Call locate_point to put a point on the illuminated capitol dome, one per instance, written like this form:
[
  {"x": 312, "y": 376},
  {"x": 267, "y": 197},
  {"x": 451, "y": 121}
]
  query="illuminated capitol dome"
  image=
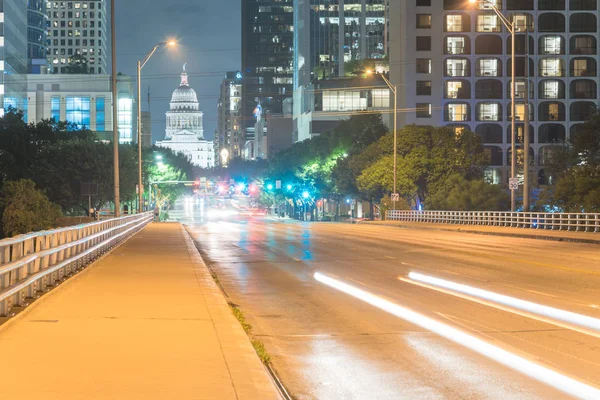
[{"x": 185, "y": 133}]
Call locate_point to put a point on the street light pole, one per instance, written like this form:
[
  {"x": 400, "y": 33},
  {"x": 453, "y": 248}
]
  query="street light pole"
[
  {"x": 394, "y": 90},
  {"x": 140, "y": 65},
  {"x": 510, "y": 26},
  {"x": 526, "y": 127},
  {"x": 115, "y": 110}
]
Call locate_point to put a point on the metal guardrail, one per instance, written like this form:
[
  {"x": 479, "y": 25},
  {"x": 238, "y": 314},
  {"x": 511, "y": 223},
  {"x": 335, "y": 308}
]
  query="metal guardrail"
[
  {"x": 581, "y": 222},
  {"x": 31, "y": 263}
]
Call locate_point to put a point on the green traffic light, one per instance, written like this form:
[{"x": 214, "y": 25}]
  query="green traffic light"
[
  {"x": 270, "y": 187},
  {"x": 289, "y": 187}
]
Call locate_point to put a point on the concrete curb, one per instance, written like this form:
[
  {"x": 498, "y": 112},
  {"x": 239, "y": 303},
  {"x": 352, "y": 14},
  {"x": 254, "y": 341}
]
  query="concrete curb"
[
  {"x": 252, "y": 385},
  {"x": 489, "y": 233}
]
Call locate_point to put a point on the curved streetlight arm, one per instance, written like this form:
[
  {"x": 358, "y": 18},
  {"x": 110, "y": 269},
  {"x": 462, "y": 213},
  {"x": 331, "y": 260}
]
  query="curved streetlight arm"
[
  {"x": 150, "y": 54},
  {"x": 387, "y": 81},
  {"x": 507, "y": 23}
]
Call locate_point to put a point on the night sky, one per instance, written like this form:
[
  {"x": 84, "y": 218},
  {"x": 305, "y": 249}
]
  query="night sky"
[{"x": 208, "y": 33}]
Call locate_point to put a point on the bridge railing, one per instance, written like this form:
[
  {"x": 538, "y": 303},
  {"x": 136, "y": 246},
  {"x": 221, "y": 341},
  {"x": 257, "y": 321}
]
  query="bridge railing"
[
  {"x": 583, "y": 222},
  {"x": 31, "y": 263}
]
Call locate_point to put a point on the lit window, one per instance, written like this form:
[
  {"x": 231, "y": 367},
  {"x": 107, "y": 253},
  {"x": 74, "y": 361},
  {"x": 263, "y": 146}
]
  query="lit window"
[
  {"x": 100, "y": 114},
  {"x": 488, "y": 23},
  {"x": 457, "y": 67},
  {"x": 551, "y": 45},
  {"x": 78, "y": 111},
  {"x": 488, "y": 67},
  {"x": 552, "y": 67},
  {"x": 455, "y": 45},
  {"x": 55, "y": 108},
  {"x": 454, "y": 23},
  {"x": 488, "y": 112},
  {"x": 457, "y": 112}
]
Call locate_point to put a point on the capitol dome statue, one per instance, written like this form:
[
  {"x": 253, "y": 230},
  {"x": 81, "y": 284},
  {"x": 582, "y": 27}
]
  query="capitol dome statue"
[
  {"x": 185, "y": 114},
  {"x": 185, "y": 133}
]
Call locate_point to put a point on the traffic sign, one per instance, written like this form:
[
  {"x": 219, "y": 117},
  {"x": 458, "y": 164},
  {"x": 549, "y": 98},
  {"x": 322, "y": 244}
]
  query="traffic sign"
[
  {"x": 395, "y": 196},
  {"x": 277, "y": 184},
  {"x": 513, "y": 183}
]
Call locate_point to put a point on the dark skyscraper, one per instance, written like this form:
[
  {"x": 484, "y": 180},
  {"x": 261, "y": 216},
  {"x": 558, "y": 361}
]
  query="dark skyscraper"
[
  {"x": 37, "y": 34},
  {"x": 267, "y": 57}
]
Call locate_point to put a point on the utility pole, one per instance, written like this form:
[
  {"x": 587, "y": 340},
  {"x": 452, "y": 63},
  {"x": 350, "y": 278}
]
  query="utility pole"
[
  {"x": 526, "y": 127},
  {"x": 115, "y": 109}
]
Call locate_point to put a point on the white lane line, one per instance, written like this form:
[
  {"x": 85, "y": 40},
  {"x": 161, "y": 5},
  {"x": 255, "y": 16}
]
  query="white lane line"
[
  {"x": 391, "y": 258},
  {"x": 594, "y": 306},
  {"x": 550, "y": 377},
  {"x": 542, "y": 293},
  {"x": 565, "y": 319}
]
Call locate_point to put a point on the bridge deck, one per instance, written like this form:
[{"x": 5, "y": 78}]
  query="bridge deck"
[{"x": 145, "y": 322}]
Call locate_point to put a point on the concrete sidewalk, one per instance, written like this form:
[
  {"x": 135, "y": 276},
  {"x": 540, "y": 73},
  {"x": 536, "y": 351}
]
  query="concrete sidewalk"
[
  {"x": 145, "y": 322},
  {"x": 542, "y": 234}
]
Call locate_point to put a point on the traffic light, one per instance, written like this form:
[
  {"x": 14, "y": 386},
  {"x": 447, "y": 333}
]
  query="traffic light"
[
  {"x": 289, "y": 187},
  {"x": 270, "y": 186}
]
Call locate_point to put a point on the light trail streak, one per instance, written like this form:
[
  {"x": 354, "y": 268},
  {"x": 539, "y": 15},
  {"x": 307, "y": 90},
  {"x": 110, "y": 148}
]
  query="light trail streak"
[
  {"x": 566, "y": 319},
  {"x": 551, "y": 378}
]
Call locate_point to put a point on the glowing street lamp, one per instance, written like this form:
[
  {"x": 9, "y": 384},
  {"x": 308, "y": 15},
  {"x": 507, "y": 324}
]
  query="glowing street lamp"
[{"x": 140, "y": 65}]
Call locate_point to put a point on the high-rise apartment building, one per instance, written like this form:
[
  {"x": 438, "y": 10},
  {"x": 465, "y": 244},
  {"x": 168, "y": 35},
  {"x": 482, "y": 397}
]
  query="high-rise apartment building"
[
  {"x": 37, "y": 36},
  {"x": 13, "y": 55},
  {"x": 77, "y": 27},
  {"x": 267, "y": 57},
  {"x": 452, "y": 62},
  {"x": 230, "y": 132}
]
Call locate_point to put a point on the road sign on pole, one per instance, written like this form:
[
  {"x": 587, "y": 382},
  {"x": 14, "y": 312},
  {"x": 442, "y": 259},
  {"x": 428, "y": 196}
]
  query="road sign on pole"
[
  {"x": 395, "y": 196},
  {"x": 513, "y": 183},
  {"x": 277, "y": 184}
]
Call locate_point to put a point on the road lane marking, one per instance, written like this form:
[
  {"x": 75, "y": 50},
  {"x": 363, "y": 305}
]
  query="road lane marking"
[
  {"x": 542, "y": 293},
  {"x": 297, "y": 259},
  {"x": 391, "y": 258},
  {"x": 504, "y": 357},
  {"x": 554, "y": 316}
]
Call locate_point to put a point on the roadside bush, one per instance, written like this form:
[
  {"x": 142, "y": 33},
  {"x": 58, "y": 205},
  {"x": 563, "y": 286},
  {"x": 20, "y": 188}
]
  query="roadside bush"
[
  {"x": 26, "y": 209},
  {"x": 459, "y": 194}
]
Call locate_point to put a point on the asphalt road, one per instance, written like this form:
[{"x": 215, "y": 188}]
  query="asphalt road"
[{"x": 327, "y": 344}]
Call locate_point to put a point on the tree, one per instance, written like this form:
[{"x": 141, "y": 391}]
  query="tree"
[
  {"x": 26, "y": 209},
  {"x": 427, "y": 157},
  {"x": 578, "y": 185},
  {"x": 585, "y": 141},
  {"x": 78, "y": 64},
  {"x": 577, "y": 190},
  {"x": 313, "y": 162},
  {"x": 163, "y": 164},
  {"x": 469, "y": 195},
  {"x": 21, "y": 143},
  {"x": 62, "y": 167}
]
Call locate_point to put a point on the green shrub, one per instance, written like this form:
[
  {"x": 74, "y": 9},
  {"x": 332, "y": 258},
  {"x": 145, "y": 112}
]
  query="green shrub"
[{"x": 26, "y": 209}]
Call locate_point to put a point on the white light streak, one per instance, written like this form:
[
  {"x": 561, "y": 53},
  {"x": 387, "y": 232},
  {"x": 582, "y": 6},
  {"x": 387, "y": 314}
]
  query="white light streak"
[
  {"x": 550, "y": 314},
  {"x": 535, "y": 371}
]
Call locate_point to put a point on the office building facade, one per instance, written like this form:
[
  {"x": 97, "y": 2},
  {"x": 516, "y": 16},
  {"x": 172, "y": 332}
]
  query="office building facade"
[
  {"x": 267, "y": 57},
  {"x": 330, "y": 38},
  {"x": 452, "y": 61},
  {"x": 13, "y": 55},
  {"x": 84, "y": 101},
  {"x": 77, "y": 27},
  {"x": 230, "y": 134}
]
